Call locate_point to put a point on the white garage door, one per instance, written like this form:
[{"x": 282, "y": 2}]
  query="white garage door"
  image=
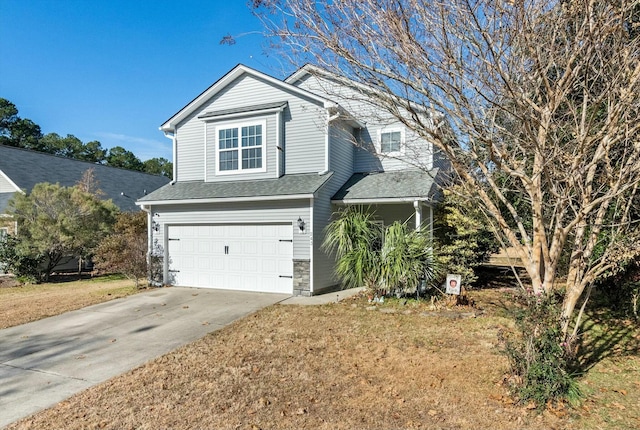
[{"x": 256, "y": 257}]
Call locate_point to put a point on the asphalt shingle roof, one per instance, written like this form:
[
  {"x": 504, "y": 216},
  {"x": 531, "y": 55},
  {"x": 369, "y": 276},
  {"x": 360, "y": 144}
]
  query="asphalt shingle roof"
[
  {"x": 403, "y": 184},
  {"x": 253, "y": 108},
  {"x": 301, "y": 184},
  {"x": 27, "y": 168}
]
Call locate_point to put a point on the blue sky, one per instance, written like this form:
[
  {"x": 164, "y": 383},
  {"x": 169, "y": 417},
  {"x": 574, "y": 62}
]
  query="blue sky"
[{"x": 114, "y": 70}]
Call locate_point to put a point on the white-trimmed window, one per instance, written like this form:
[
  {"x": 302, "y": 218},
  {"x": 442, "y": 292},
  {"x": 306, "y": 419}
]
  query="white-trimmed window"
[
  {"x": 240, "y": 147},
  {"x": 391, "y": 141}
]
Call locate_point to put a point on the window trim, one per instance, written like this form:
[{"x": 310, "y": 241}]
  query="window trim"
[
  {"x": 239, "y": 125},
  {"x": 382, "y": 131}
]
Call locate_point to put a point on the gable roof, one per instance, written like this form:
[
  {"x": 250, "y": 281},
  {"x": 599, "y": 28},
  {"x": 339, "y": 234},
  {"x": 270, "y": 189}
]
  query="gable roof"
[
  {"x": 296, "y": 186},
  {"x": 170, "y": 124},
  {"x": 312, "y": 70},
  {"x": 392, "y": 186},
  {"x": 25, "y": 168}
]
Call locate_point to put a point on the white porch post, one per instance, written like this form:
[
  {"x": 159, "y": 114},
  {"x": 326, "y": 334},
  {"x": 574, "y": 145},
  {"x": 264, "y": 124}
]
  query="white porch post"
[
  {"x": 418, "y": 208},
  {"x": 431, "y": 222}
]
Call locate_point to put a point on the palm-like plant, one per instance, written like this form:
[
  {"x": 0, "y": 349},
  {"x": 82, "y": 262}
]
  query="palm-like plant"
[
  {"x": 355, "y": 238},
  {"x": 407, "y": 257},
  {"x": 395, "y": 259}
]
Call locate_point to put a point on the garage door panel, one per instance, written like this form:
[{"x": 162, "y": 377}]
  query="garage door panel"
[
  {"x": 283, "y": 267},
  {"x": 251, "y": 247},
  {"x": 234, "y": 264},
  {"x": 256, "y": 257},
  {"x": 268, "y": 248},
  {"x": 270, "y": 265}
]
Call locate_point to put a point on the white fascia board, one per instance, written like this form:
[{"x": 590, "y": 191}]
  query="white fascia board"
[
  {"x": 381, "y": 201},
  {"x": 239, "y": 70},
  {"x": 298, "y": 74},
  {"x": 226, "y": 200}
]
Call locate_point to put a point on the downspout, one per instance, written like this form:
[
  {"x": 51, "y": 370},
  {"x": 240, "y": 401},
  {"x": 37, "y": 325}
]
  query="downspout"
[
  {"x": 174, "y": 148},
  {"x": 326, "y": 143},
  {"x": 206, "y": 155},
  {"x": 311, "y": 244},
  {"x": 149, "y": 238},
  {"x": 279, "y": 149}
]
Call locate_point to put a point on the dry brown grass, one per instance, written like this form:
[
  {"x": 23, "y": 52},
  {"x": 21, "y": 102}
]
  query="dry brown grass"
[
  {"x": 20, "y": 304},
  {"x": 342, "y": 366},
  {"x": 337, "y": 366}
]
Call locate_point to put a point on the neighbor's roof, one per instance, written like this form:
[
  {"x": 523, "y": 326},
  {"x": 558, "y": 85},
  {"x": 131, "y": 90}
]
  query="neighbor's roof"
[
  {"x": 26, "y": 168},
  {"x": 285, "y": 187},
  {"x": 393, "y": 186}
]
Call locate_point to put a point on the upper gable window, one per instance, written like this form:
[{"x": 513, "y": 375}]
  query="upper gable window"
[
  {"x": 391, "y": 141},
  {"x": 240, "y": 147}
]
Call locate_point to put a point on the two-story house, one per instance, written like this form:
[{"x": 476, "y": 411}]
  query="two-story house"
[{"x": 260, "y": 166}]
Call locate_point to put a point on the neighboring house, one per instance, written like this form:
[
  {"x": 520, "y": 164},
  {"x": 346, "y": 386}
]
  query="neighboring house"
[
  {"x": 260, "y": 166},
  {"x": 21, "y": 169}
]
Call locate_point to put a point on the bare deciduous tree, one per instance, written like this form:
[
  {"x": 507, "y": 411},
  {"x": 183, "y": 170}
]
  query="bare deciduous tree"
[
  {"x": 539, "y": 102},
  {"x": 89, "y": 184}
]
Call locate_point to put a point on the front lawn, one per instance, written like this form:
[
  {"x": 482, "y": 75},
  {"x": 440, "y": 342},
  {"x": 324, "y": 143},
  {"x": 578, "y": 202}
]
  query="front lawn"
[
  {"x": 20, "y": 304},
  {"x": 348, "y": 366}
]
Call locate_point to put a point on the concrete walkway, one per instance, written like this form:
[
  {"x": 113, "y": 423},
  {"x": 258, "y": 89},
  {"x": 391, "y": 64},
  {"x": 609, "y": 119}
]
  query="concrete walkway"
[{"x": 47, "y": 361}]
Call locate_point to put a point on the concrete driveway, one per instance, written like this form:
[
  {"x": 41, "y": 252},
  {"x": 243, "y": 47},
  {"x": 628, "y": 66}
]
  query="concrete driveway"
[{"x": 47, "y": 361}]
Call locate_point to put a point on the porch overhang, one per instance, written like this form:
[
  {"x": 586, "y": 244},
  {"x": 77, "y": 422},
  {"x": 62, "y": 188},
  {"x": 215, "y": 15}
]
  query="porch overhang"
[{"x": 404, "y": 186}]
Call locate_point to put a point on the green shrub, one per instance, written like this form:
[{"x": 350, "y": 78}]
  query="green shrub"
[
  {"x": 355, "y": 238},
  {"x": 539, "y": 355},
  {"x": 406, "y": 260},
  {"x": 463, "y": 238},
  {"x": 620, "y": 291},
  {"x": 394, "y": 259},
  {"x": 13, "y": 260}
]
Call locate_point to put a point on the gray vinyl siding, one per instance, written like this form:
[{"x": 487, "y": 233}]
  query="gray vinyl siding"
[
  {"x": 402, "y": 212},
  {"x": 417, "y": 153},
  {"x": 341, "y": 152},
  {"x": 440, "y": 161},
  {"x": 304, "y": 138},
  {"x": 287, "y": 211},
  {"x": 302, "y": 132},
  {"x": 323, "y": 264},
  {"x": 341, "y": 159},
  {"x": 190, "y": 150}
]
